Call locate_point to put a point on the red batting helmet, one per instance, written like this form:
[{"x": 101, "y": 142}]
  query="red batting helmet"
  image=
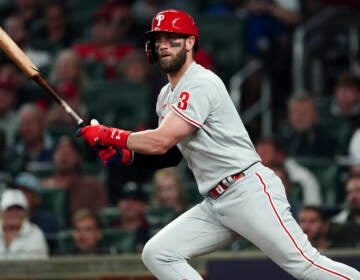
[{"x": 174, "y": 21}]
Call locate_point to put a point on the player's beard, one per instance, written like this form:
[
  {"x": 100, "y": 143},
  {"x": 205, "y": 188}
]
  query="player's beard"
[{"x": 173, "y": 65}]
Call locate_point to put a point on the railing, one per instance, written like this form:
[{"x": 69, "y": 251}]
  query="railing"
[
  {"x": 310, "y": 42},
  {"x": 262, "y": 107},
  {"x": 124, "y": 267}
]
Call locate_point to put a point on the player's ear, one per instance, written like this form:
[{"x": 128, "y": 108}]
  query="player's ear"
[{"x": 190, "y": 43}]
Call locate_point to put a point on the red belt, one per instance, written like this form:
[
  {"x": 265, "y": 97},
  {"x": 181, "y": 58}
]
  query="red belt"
[{"x": 224, "y": 184}]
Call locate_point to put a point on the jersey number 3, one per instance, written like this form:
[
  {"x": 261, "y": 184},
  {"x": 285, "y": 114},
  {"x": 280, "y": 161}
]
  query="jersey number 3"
[{"x": 184, "y": 96}]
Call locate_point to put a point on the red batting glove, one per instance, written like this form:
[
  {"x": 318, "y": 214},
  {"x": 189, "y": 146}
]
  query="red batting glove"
[
  {"x": 104, "y": 136},
  {"x": 115, "y": 156}
]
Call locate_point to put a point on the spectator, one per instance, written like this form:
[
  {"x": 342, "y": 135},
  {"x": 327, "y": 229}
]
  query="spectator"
[
  {"x": 293, "y": 191},
  {"x": 46, "y": 221},
  {"x": 69, "y": 79},
  {"x": 351, "y": 212},
  {"x": 346, "y": 103},
  {"x": 271, "y": 21},
  {"x": 133, "y": 204},
  {"x": 354, "y": 146},
  {"x": 7, "y": 163},
  {"x": 144, "y": 10},
  {"x": 121, "y": 11},
  {"x": 272, "y": 153},
  {"x": 17, "y": 30},
  {"x": 315, "y": 225},
  {"x": 57, "y": 117},
  {"x": 21, "y": 239},
  {"x": 135, "y": 68},
  {"x": 225, "y": 7},
  {"x": 9, "y": 72},
  {"x": 302, "y": 136},
  {"x": 169, "y": 192},
  {"x": 268, "y": 36},
  {"x": 87, "y": 234},
  {"x": 35, "y": 146},
  {"x": 106, "y": 46},
  {"x": 9, "y": 120},
  {"x": 55, "y": 32},
  {"x": 29, "y": 11},
  {"x": 84, "y": 191},
  {"x": 69, "y": 69}
]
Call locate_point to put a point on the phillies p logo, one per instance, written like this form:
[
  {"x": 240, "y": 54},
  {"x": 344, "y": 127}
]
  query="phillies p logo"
[{"x": 159, "y": 18}]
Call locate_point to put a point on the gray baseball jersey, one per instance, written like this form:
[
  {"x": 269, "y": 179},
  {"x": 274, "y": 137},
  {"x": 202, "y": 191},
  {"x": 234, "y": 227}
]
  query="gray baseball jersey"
[{"x": 221, "y": 145}]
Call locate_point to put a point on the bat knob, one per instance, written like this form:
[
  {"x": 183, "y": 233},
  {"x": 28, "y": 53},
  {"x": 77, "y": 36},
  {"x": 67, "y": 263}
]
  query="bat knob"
[{"x": 94, "y": 122}]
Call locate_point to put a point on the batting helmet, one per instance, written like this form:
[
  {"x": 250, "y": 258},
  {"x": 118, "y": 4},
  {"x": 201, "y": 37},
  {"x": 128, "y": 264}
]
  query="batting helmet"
[{"x": 174, "y": 21}]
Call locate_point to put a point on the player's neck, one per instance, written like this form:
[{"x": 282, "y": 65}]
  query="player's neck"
[{"x": 175, "y": 77}]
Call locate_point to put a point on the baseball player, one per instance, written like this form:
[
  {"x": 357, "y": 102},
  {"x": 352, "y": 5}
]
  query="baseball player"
[{"x": 198, "y": 121}]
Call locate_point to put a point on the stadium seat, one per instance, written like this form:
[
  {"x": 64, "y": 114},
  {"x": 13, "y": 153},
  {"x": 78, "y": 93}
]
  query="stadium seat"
[
  {"x": 115, "y": 240},
  {"x": 119, "y": 103},
  {"x": 340, "y": 130},
  {"x": 327, "y": 171},
  {"x": 223, "y": 36},
  {"x": 55, "y": 201},
  {"x": 108, "y": 215},
  {"x": 95, "y": 70},
  {"x": 81, "y": 14},
  {"x": 118, "y": 241},
  {"x": 64, "y": 241},
  {"x": 192, "y": 194},
  {"x": 159, "y": 217}
]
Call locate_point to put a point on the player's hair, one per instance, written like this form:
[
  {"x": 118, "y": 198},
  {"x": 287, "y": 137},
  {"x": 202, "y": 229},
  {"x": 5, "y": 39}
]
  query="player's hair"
[{"x": 348, "y": 80}]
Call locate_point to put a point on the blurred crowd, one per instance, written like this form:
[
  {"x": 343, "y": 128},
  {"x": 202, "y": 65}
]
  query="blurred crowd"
[{"x": 56, "y": 198}]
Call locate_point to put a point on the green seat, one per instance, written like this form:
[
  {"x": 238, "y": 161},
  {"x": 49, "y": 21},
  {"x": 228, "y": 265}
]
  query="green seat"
[
  {"x": 81, "y": 15},
  {"x": 118, "y": 240},
  {"x": 223, "y": 37},
  {"x": 56, "y": 131},
  {"x": 192, "y": 194},
  {"x": 119, "y": 103},
  {"x": 64, "y": 241},
  {"x": 340, "y": 130},
  {"x": 115, "y": 240},
  {"x": 41, "y": 169},
  {"x": 337, "y": 127},
  {"x": 159, "y": 217},
  {"x": 95, "y": 70},
  {"x": 327, "y": 171},
  {"x": 55, "y": 201},
  {"x": 108, "y": 215}
]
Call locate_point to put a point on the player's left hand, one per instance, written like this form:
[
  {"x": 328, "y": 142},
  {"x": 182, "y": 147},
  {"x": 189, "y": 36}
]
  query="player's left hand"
[
  {"x": 115, "y": 156},
  {"x": 101, "y": 135}
]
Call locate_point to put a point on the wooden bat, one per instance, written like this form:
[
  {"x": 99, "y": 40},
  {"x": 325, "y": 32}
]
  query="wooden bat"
[{"x": 24, "y": 63}]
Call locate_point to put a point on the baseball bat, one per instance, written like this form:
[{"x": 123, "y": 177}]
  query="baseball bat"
[{"x": 24, "y": 63}]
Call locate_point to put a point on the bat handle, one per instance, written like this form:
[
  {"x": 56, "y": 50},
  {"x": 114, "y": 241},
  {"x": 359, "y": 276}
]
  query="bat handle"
[{"x": 79, "y": 121}]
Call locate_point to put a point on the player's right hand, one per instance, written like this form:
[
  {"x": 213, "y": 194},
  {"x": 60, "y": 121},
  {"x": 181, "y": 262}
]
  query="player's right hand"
[{"x": 115, "y": 156}]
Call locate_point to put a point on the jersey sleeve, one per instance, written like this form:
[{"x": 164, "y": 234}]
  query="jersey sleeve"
[
  {"x": 159, "y": 100},
  {"x": 193, "y": 103}
]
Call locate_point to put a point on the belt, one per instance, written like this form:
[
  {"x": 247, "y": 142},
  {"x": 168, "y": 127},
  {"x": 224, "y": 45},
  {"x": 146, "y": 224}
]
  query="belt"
[
  {"x": 227, "y": 182},
  {"x": 224, "y": 184}
]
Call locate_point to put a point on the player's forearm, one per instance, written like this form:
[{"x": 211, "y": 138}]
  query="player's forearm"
[{"x": 149, "y": 142}]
